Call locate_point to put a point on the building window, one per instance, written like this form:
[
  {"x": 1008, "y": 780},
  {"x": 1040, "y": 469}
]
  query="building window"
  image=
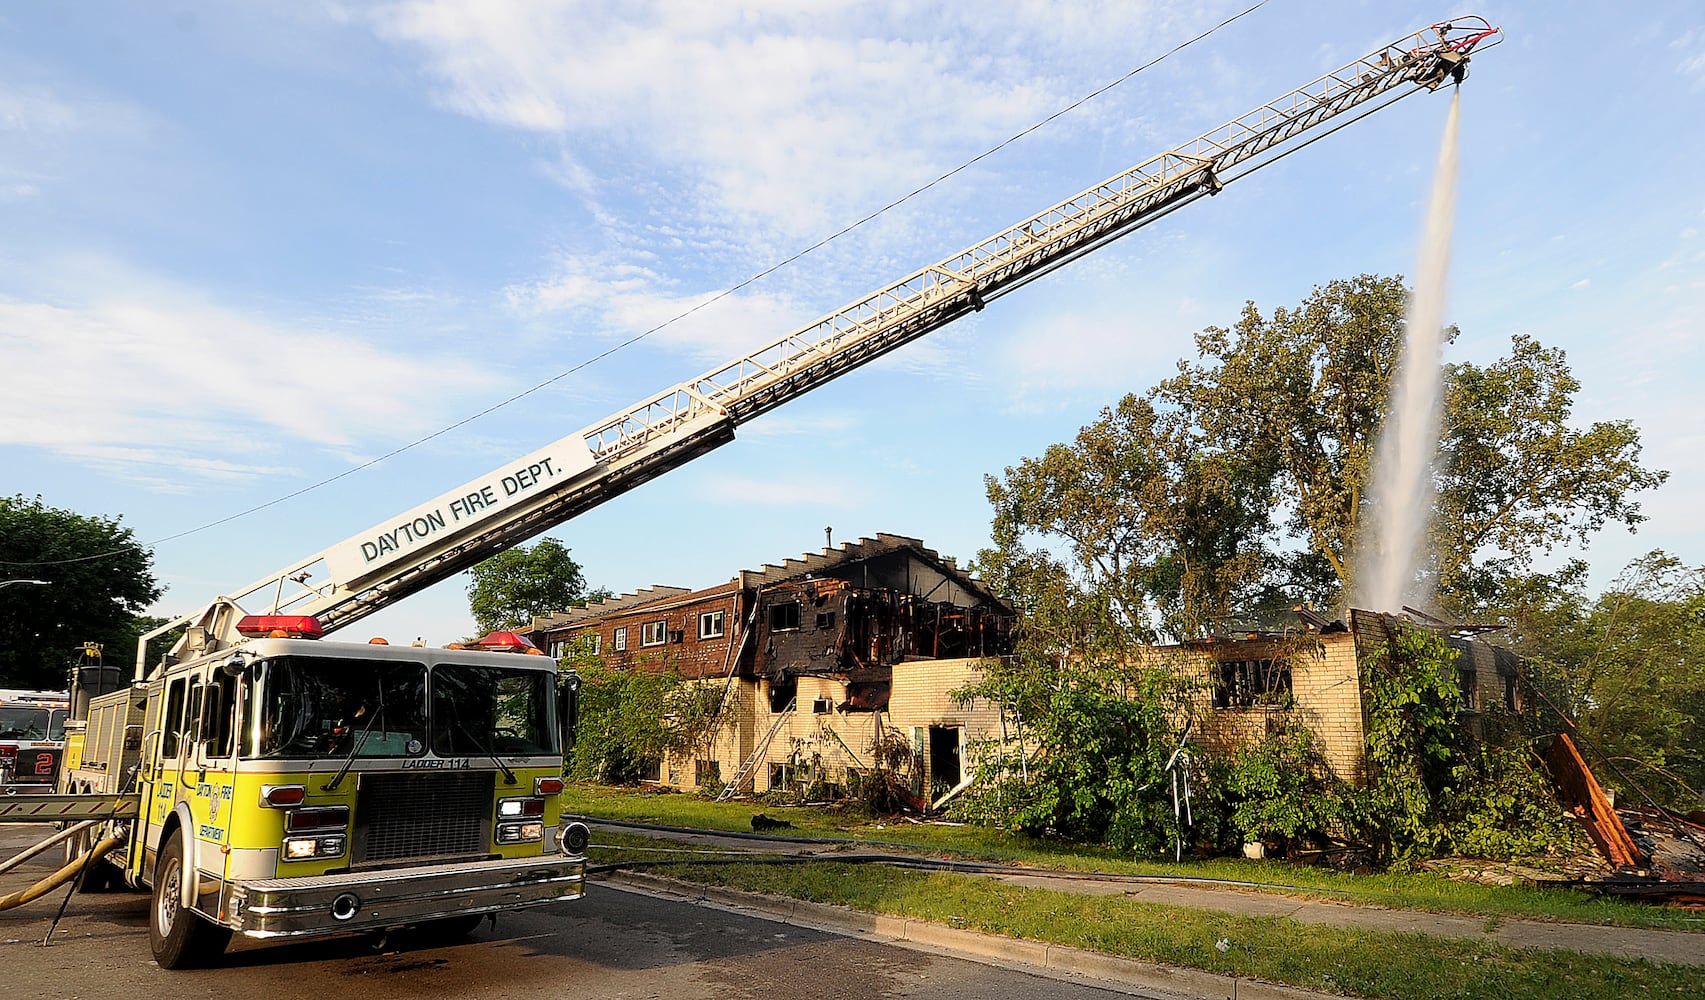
[
  {"x": 707, "y": 772},
  {"x": 1245, "y": 683},
  {"x": 654, "y": 633},
  {"x": 783, "y": 691},
  {"x": 619, "y": 642},
  {"x": 595, "y": 644},
  {"x": 710, "y": 625},
  {"x": 651, "y": 770},
  {"x": 784, "y": 617},
  {"x": 825, "y": 619}
]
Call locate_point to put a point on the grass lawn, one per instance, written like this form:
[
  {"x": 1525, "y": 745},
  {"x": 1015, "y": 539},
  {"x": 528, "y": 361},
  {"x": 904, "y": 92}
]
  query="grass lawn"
[
  {"x": 1414, "y": 890},
  {"x": 1362, "y": 963}
]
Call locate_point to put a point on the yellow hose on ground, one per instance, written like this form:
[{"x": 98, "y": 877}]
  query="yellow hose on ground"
[
  {"x": 65, "y": 834},
  {"x": 60, "y": 877}
]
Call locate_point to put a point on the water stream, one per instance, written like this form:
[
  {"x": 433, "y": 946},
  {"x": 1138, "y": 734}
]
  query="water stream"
[{"x": 1393, "y": 533}]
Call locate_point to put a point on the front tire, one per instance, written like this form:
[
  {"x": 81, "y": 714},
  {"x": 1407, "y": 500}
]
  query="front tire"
[{"x": 179, "y": 938}]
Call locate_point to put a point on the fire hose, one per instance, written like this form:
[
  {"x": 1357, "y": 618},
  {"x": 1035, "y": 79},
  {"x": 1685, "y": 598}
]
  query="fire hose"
[{"x": 71, "y": 870}]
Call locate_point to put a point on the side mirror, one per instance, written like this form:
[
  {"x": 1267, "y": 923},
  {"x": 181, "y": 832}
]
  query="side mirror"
[{"x": 568, "y": 710}]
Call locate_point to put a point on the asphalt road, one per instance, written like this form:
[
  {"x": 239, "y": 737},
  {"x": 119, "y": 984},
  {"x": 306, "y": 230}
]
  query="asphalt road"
[{"x": 612, "y": 943}]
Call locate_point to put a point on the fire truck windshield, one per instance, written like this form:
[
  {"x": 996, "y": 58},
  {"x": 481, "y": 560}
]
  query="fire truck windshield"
[
  {"x": 323, "y": 707},
  {"x": 491, "y": 710},
  {"x": 31, "y": 724},
  {"x": 312, "y": 706}
]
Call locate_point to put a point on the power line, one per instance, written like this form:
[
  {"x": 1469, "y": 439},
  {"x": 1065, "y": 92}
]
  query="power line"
[{"x": 725, "y": 293}]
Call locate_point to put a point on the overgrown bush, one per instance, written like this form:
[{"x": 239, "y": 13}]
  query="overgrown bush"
[
  {"x": 623, "y": 723},
  {"x": 1280, "y": 792},
  {"x": 1431, "y": 788}
]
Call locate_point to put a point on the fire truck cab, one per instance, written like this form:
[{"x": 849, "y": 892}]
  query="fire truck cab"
[
  {"x": 291, "y": 786},
  {"x": 32, "y": 739}
]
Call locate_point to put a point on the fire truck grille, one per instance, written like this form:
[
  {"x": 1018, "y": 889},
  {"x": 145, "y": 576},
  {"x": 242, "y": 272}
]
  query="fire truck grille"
[{"x": 424, "y": 815}]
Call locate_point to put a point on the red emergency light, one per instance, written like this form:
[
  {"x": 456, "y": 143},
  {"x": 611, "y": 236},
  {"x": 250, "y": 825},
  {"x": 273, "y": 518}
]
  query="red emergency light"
[
  {"x": 280, "y": 627},
  {"x": 507, "y": 642}
]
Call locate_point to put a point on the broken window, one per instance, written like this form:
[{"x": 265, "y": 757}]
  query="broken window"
[
  {"x": 710, "y": 625},
  {"x": 822, "y": 706},
  {"x": 782, "y": 694},
  {"x": 654, "y": 633},
  {"x": 867, "y": 696},
  {"x": 1244, "y": 683},
  {"x": 825, "y": 619},
  {"x": 784, "y": 617}
]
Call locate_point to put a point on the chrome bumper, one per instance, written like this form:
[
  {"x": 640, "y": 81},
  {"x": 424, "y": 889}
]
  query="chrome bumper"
[{"x": 354, "y": 901}]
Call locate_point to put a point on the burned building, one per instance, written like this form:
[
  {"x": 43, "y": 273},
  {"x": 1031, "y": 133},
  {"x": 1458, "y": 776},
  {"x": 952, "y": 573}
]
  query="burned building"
[
  {"x": 821, "y": 653},
  {"x": 1309, "y": 670}
]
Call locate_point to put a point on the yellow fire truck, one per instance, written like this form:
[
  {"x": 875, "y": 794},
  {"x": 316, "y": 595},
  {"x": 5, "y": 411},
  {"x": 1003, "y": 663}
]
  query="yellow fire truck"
[{"x": 262, "y": 780}]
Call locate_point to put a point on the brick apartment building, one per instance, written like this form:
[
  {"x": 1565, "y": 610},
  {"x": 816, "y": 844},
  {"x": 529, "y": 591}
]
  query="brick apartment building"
[{"x": 821, "y": 653}]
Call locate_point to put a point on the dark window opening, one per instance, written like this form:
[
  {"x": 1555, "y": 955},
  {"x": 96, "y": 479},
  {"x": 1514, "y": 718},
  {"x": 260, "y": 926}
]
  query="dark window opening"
[
  {"x": 784, "y": 617},
  {"x": 651, "y": 770},
  {"x": 867, "y": 696},
  {"x": 707, "y": 772},
  {"x": 1469, "y": 685},
  {"x": 825, "y": 619},
  {"x": 822, "y": 706},
  {"x": 1245, "y": 683},
  {"x": 783, "y": 693}
]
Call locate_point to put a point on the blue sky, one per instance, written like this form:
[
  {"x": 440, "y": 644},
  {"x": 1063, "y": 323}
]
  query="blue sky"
[{"x": 249, "y": 246}]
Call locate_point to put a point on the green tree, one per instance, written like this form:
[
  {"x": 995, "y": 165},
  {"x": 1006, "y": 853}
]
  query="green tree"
[
  {"x": 99, "y": 579},
  {"x": 1241, "y": 480},
  {"x": 1158, "y": 529},
  {"x": 1515, "y": 480},
  {"x": 511, "y": 587},
  {"x": 1300, "y": 395}
]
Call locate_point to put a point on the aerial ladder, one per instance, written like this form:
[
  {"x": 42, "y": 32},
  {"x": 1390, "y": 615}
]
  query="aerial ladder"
[
  {"x": 265, "y": 783},
  {"x": 363, "y": 574}
]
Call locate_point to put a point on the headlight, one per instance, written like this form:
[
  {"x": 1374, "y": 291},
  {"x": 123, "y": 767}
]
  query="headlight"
[
  {"x": 305, "y": 848},
  {"x": 520, "y": 833}
]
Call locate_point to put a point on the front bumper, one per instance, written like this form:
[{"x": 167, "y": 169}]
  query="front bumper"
[{"x": 354, "y": 901}]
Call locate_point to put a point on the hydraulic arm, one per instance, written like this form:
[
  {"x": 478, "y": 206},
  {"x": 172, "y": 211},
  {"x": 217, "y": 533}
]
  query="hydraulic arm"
[{"x": 350, "y": 580}]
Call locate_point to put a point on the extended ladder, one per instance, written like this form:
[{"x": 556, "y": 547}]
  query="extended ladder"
[{"x": 745, "y": 773}]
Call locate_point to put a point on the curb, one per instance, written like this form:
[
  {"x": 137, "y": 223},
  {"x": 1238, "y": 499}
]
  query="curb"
[{"x": 1048, "y": 960}]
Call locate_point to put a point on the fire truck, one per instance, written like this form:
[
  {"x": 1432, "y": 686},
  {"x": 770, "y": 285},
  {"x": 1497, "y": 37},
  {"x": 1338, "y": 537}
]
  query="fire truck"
[
  {"x": 264, "y": 780},
  {"x": 32, "y": 738}
]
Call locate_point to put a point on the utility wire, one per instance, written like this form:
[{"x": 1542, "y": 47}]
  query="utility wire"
[{"x": 725, "y": 293}]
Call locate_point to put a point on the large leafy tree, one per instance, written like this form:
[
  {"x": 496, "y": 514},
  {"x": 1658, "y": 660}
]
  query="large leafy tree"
[
  {"x": 99, "y": 579},
  {"x": 511, "y": 587},
  {"x": 1244, "y": 476},
  {"x": 1300, "y": 395},
  {"x": 1515, "y": 480}
]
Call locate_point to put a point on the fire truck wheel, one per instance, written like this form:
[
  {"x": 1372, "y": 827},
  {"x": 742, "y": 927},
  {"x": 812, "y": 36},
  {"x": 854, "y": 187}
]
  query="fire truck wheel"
[{"x": 180, "y": 939}]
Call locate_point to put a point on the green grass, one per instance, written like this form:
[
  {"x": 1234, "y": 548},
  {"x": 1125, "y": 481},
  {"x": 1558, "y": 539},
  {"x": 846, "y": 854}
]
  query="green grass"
[
  {"x": 1364, "y": 963},
  {"x": 1416, "y": 891}
]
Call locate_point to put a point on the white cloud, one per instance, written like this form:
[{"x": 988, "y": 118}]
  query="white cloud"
[
  {"x": 787, "y": 114},
  {"x": 620, "y": 300},
  {"x": 168, "y": 392},
  {"x": 1692, "y": 47}
]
